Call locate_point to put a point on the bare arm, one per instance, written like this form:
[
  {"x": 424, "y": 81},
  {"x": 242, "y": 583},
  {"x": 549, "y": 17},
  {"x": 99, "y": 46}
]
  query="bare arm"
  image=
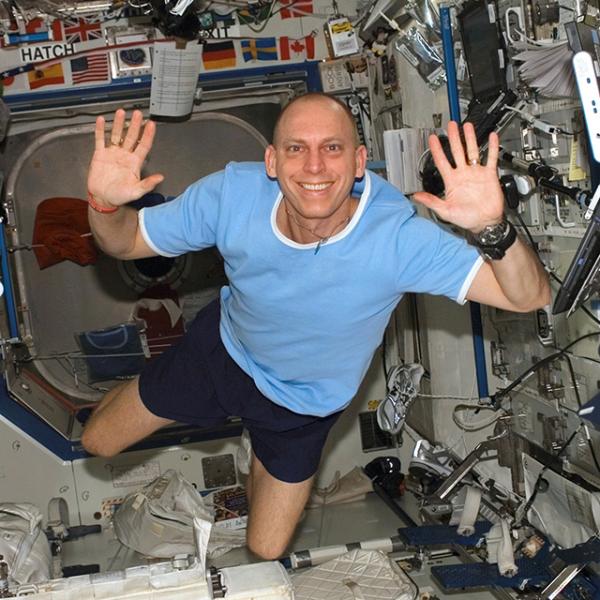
[
  {"x": 114, "y": 179},
  {"x": 473, "y": 200},
  {"x": 518, "y": 282}
]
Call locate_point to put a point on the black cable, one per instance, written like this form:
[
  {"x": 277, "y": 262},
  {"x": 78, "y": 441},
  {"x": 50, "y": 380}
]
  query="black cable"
[
  {"x": 540, "y": 482},
  {"x": 540, "y": 363},
  {"x": 534, "y": 247},
  {"x": 578, "y": 397},
  {"x": 564, "y": 354},
  {"x": 529, "y": 236},
  {"x": 595, "y": 360},
  {"x": 384, "y": 356},
  {"x": 573, "y": 379}
]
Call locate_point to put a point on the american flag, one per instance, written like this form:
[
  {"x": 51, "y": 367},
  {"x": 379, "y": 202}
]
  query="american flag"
[
  {"x": 82, "y": 30},
  {"x": 89, "y": 68}
]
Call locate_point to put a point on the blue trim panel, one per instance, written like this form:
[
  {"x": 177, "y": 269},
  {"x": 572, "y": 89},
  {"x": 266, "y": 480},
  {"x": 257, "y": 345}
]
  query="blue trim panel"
[
  {"x": 451, "y": 84},
  {"x": 134, "y": 87},
  {"x": 9, "y": 296},
  {"x": 68, "y": 450},
  {"x": 479, "y": 349},
  {"x": 448, "y": 47},
  {"x": 14, "y": 38}
]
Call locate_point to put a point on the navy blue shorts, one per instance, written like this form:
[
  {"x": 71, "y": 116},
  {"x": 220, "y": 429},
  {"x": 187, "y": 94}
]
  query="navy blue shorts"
[{"x": 197, "y": 382}]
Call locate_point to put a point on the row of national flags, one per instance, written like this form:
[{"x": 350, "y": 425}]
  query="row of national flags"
[
  {"x": 84, "y": 69},
  {"x": 94, "y": 68},
  {"x": 222, "y": 55},
  {"x": 69, "y": 30}
]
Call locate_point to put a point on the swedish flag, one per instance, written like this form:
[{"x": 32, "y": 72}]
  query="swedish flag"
[{"x": 259, "y": 49}]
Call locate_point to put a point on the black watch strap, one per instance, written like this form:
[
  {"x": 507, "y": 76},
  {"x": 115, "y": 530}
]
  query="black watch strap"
[{"x": 498, "y": 250}]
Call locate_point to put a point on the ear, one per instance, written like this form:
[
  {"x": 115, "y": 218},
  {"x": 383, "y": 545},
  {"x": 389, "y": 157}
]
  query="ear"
[
  {"x": 270, "y": 161},
  {"x": 361, "y": 161}
]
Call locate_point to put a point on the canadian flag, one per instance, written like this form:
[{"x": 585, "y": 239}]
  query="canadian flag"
[{"x": 302, "y": 48}]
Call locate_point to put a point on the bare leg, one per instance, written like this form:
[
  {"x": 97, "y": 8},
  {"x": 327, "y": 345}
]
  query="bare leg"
[
  {"x": 275, "y": 509},
  {"x": 120, "y": 420}
]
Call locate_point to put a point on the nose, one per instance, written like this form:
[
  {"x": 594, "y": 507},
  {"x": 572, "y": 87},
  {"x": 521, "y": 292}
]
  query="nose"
[{"x": 314, "y": 161}]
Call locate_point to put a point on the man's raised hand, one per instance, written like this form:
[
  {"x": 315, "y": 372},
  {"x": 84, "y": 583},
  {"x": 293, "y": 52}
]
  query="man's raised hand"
[
  {"x": 114, "y": 176},
  {"x": 473, "y": 197}
]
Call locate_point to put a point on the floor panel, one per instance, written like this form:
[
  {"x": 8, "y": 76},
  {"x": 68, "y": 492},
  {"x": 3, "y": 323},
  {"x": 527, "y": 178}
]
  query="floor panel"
[{"x": 331, "y": 525}]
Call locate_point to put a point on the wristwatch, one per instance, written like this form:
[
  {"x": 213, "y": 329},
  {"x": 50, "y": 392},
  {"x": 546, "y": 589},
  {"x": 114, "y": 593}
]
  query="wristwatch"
[{"x": 495, "y": 240}]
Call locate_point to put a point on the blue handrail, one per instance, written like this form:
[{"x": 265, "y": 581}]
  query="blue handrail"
[{"x": 452, "y": 87}]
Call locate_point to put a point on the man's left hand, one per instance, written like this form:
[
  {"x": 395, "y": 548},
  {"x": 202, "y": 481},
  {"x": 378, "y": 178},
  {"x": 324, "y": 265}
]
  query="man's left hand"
[{"x": 473, "y": 197}]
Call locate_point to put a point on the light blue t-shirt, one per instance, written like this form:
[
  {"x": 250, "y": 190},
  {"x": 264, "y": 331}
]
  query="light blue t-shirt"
[{"x": 305, "y": 325}]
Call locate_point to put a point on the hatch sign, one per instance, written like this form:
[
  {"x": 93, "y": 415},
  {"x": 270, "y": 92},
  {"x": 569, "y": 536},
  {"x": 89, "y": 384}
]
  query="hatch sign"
[{"x": 39, "y": 52}]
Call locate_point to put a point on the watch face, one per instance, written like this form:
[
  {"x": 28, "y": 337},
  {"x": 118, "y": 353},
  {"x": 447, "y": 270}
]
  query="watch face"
[
  {"x": 492, "y": 234},
  {"x": 495, "y": 240}
]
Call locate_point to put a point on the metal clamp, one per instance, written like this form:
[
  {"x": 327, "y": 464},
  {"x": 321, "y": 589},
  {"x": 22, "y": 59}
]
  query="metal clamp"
[{"x": 467, "y": 465}]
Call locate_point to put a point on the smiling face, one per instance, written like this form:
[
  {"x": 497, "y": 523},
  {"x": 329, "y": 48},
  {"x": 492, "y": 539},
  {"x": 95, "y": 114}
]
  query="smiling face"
[{"x": 315, "y": 159}]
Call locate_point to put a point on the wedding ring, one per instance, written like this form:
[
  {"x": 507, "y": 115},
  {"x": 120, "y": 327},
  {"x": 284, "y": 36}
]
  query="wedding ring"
[
  {"x": 473, "y": 161},
  {"x": 117, "y": 143}
]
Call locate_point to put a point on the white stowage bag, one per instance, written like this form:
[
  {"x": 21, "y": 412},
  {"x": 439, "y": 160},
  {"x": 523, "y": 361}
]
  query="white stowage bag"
[
  {"x": 158, "y": 520},
  {"x": 23, "y": 543},
  {"x": 356, "y": 575}
]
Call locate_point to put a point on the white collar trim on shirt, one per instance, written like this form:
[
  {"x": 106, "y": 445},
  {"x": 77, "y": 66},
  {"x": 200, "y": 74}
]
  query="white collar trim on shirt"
[{"x": 334, "y": 238}]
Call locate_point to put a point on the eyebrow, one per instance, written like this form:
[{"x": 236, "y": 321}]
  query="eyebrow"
[{"x": 301, "y": 141}]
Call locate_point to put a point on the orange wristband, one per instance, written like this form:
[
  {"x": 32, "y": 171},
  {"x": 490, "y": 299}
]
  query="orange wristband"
[{"x": 101, "y": 209}]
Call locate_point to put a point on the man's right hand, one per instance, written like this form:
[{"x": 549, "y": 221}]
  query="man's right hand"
[{"x": 114, "y": 177}]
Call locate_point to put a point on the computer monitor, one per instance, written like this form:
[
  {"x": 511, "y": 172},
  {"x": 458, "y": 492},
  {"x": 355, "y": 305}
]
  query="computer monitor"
[
  {"x": 482, "y": 48},
  {"x": 583, "y": 277}
]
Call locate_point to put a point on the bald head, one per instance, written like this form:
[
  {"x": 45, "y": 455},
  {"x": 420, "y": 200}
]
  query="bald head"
[{"x": 304, "y": 103}]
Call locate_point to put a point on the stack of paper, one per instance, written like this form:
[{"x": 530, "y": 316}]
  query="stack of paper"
[
  {"x": 548, "y": 70},
  {"x": 404, "y": 149}
]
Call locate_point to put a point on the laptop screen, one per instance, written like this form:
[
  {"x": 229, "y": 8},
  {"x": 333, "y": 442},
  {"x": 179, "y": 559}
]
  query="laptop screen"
[
  {"x": 579, "y": 282},
  {"x": 481, "y": 46}
]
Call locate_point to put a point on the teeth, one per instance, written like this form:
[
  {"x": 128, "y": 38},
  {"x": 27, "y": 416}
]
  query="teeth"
[{"x": 315, "y": 187}]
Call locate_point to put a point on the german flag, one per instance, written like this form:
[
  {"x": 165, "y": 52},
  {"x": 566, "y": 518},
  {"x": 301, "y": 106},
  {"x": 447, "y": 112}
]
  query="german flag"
[
  {"x": 259, "y": 49},
  {"x": 49, "y": 76},
  {"x": 219, "y": 55}
]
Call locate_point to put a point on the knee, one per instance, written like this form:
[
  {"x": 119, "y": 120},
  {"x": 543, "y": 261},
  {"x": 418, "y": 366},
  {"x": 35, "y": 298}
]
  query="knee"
[
  {"x": 94, "y": 444},
  {"x": 266, "y": 549}
]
